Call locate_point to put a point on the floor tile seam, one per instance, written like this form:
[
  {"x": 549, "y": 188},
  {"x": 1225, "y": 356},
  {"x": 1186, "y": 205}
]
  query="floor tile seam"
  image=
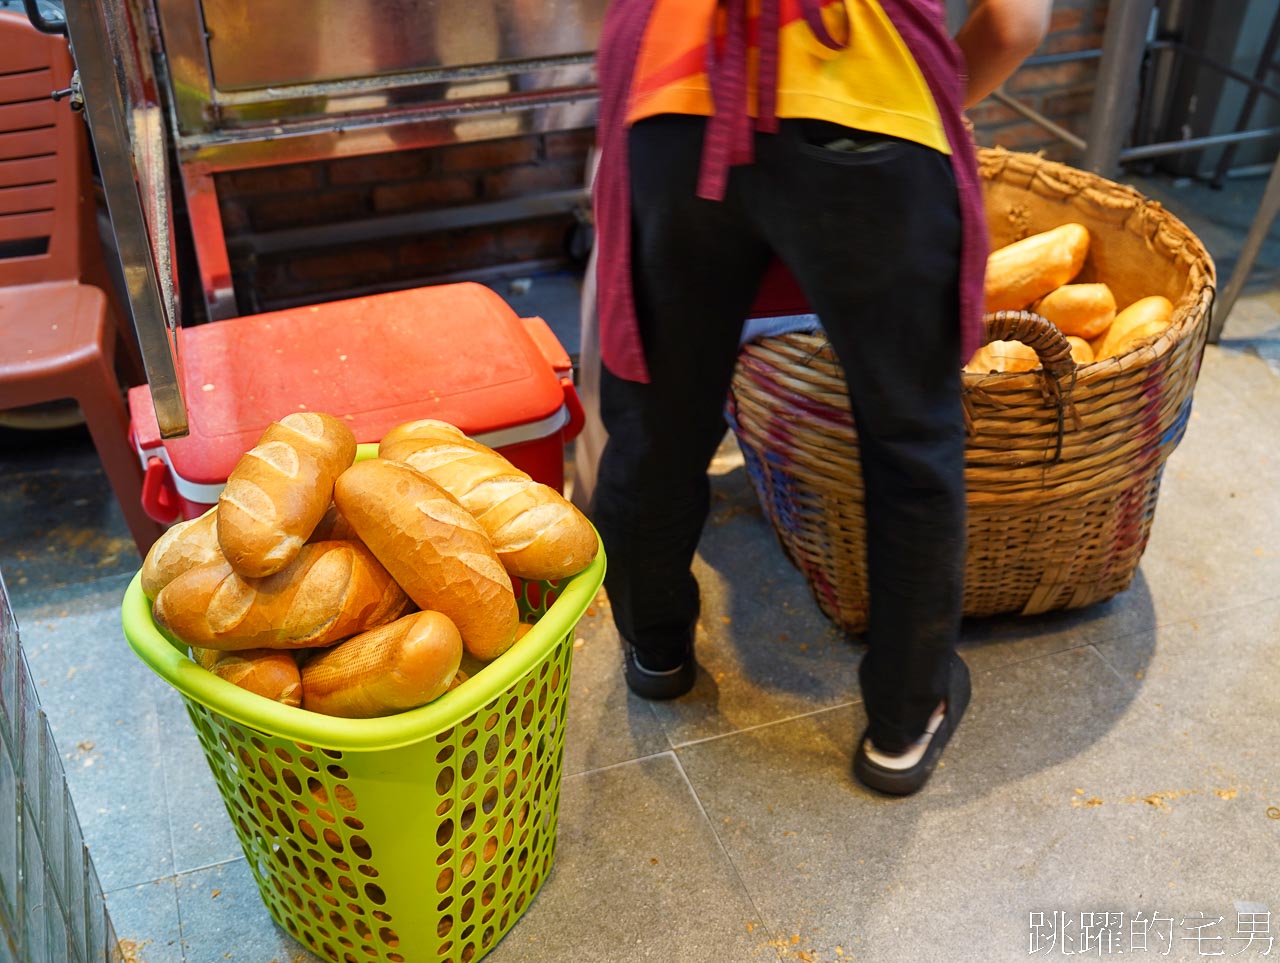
[
  {"x": 174, "y": 877},
  {"x": 1127, "y": 682},
  {"x": 1083, "y": 643},
  {"x": 1173, "y": 623},
  {"x": 773, "y": 939},
  {"x": 129, "y": 887},
  {"x": 168, "y": 801},
  {"x": 620, "y": 763},
  {"x": 764, "y": 725}
]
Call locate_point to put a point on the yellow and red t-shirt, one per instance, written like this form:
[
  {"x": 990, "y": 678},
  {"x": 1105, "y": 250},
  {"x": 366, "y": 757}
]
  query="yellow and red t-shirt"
[{"x": 872, "y": 84}]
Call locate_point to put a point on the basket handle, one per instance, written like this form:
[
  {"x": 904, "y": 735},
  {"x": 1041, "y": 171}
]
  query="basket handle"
[
  {"x": 1058, "y": 378},
  {"x": 1037, "y": 333}
]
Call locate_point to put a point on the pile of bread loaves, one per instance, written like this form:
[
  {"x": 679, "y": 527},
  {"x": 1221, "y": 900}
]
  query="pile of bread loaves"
[
  {"x": 354, "y": 589},
  {"x": 1036, "y": 273}
]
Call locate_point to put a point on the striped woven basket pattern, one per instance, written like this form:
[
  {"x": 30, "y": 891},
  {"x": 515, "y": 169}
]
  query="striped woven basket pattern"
[{"x": 1063, "y": 463}]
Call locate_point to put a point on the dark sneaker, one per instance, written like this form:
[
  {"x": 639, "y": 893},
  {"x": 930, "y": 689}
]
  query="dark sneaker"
[
  {"x": 657, "y": 684},
  {"x": 903, "y": 773}
]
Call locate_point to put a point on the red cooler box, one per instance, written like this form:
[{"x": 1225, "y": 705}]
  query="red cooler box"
[{"x": 454, "y": 352}]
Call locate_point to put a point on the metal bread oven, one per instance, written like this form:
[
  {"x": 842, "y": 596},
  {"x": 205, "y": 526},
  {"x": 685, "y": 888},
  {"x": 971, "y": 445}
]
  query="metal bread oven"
[{"x": 224, "y": 85}]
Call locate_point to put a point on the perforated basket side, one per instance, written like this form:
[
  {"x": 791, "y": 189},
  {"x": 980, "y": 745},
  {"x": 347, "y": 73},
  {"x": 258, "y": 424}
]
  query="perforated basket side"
[{"x": 429, "y": 851}]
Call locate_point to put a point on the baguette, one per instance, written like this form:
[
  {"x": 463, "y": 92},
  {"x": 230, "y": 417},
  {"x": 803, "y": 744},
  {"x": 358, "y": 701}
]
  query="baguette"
[
  {"x": 394, "y": 667},
  {"x": 280, "y": 489},
  {"x": 182, "y": 547},
  {"x": 1143, "y": 319},
  {"x": 330, "y": 591},
  {"x": 1084, "y": 310},
  {"x": 1003, "y": 357},
  {"x": 270, "y": 673},
  {"x": 436, "y": 551},
  {"x": 1029, "y": 269},
  {"x": 1081, "y": 350},
  {"x": 333, "y": 526},
  {"x": 536, "y": 532}
]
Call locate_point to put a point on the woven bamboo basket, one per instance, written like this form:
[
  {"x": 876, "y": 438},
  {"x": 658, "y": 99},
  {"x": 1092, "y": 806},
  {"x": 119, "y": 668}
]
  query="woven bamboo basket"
[{"x": 1063, "y": 463}]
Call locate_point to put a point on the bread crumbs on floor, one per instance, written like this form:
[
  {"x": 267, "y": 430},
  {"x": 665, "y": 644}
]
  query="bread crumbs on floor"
[
  {"x": 215, "y": 894},
  {"x": 130, "y": 951}
]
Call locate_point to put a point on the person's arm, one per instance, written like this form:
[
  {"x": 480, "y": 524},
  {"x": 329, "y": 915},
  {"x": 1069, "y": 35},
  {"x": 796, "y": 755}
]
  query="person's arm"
[{"x": 997, "y": 36}]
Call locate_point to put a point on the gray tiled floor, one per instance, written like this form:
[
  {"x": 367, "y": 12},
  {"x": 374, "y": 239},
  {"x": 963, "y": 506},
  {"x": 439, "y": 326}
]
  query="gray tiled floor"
[{"x": 1118, "y": 759}]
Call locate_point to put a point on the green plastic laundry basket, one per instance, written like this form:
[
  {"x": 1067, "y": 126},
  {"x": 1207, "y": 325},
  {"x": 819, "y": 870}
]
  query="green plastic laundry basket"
[{"x": 414, "y": 837}]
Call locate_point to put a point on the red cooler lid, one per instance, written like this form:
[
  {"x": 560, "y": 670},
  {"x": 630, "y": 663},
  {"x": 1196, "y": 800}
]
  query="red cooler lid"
[{"x": 454, "y": 352}]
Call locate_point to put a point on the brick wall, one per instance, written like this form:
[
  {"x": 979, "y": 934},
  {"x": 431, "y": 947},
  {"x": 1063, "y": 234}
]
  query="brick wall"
[
  {"x": 321, "y": 194},
  {"x": 1063, "y": 92},
  {"x": 314, "y": 195}
]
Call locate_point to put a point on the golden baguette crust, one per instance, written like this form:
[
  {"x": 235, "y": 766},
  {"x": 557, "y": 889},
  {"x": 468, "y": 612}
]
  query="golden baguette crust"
[
  {"x": 270, "y": 673},
  {"x": 280, "y": 489},
  {"x": 1083, "y": 310},
  {"x": 330, "y": 591},
  {"x": 394, "y": 667},
  {"x": 537, "y": 533},
  {"x": 333, "y": 525},
  {"x": 182, "y": 547},
  {"x": 437, "y": 552},
  {"x": 1032, "y": 267},
  {"x": 1140, "y": 321}
]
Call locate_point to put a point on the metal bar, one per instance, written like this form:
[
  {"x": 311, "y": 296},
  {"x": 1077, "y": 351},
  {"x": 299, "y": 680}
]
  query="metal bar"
[
  {"x": 1038, "y": 118},
  {"x": 381, "y": 83},
  {"x": 1066, "y": 57},
  {"x": 510, "y": 269},
  {"x": 92, "y": 47},
  {"x": 1258, "y": 232},
  {"x": 417, "y": 222},
  {"x": 1265, "y": 89},
  {"x": 384, "y": 119},
  {"x": 1195, "y": 143},
  {"x": 1266, "y": 63},
  {"x": 1123, "y": 45}
]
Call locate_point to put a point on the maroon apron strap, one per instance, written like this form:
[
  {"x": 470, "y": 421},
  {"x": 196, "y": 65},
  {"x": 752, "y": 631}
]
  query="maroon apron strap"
[
  {"x": 812, "y": 10},
  {"x": 728, "y": 139}
]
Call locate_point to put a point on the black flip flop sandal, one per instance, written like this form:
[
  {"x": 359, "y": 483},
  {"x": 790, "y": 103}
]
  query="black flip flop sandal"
[
  {"x": 903, "y": 782},
  {"x": 657, "y": 685}
]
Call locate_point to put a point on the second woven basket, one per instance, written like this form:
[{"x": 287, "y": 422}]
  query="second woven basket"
[{"x": 1062, "y": 464}]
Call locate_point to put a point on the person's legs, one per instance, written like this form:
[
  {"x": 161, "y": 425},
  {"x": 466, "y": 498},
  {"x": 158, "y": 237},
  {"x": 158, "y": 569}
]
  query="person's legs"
[
  {"x": 696, "y": 267},
  {"x": 872, "y": 234}
]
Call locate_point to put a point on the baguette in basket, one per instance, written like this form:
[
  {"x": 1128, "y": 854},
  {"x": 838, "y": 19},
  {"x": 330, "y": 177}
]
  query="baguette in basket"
[
  {"x": 280, "y": 489},
  {"x": 330, "y": 591},
  {"x": 436, "y": 551},
  {"x": 270, "y": 673},
  {"x": 394, "y": 667},
  {"x": 535, "y": 530},
  {"x": 182, "y": 547}
]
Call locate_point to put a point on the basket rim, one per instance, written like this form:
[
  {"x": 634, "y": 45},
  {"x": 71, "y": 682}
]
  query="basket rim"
[{"x": 358, "y": 735}]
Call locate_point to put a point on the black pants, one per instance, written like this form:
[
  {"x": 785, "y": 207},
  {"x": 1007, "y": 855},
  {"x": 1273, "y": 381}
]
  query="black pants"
[{"x": 869, "y": 226}]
